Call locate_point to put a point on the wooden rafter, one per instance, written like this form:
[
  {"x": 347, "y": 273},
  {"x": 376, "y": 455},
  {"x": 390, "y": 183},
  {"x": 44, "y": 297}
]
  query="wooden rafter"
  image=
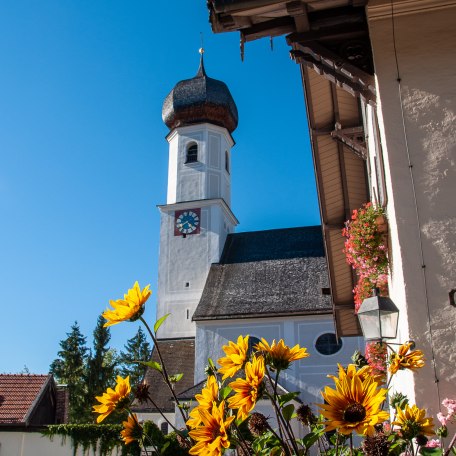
[
  {"x": 335, "y": 69},
  {"x": 353, "y": 138}
]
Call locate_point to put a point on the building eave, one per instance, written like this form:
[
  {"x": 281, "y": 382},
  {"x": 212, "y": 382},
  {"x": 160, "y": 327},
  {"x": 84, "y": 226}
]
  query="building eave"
[
  {"x": 335, "y": 86},
  {"x": 261, "y": 315}
]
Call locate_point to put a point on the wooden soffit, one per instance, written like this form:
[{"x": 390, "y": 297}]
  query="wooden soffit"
[{"x": 329, "y": 39}]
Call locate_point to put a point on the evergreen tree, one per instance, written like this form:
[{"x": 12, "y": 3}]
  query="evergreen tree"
[
  {"x": 101, "y": 365},
  {"x": 69, "y": 369},
  {"x": 136, "y": 349}
]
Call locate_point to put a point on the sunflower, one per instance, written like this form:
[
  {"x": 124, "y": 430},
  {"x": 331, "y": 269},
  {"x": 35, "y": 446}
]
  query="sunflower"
[
  {"x": 209, "y": 395},
  {"x": 413, "y": 422},
  {"x": 402, "y": 360},
  {"x": 363, "y": 373},
  {"x": 113, "y": 399},
  {"x": 131, "y": 307},
  {"x": 132, "y": 429},
  {"x": 354, "y": 405},
  {"x": 212, "y": 436},
  {"x": 236, "y": 356},
  {"x": 280, "y": 355},
  {"x": 249, "y": 390}
]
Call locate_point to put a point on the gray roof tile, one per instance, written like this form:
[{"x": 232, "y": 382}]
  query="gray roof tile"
[{"x": 267, "y": 273}]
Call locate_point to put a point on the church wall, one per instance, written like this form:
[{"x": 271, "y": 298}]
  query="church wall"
[
  {"x": 184, "y": 264},
  {"x": 418, "y": 137},
  {"x": 307, "y": 375},
  {"x": 206, "y": 178},
  {"x": 201, "y": 185}
]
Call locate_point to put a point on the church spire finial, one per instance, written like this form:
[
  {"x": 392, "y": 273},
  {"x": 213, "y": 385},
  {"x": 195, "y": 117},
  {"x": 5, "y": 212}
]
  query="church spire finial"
[{"x": 201, "y": 70}]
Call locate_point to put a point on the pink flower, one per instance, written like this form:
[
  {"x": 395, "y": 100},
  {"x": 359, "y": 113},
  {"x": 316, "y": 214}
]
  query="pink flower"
[
  {"x": 450, "y": 404},
  {"x": 442, "y": 418},
  {"x": 433, "y": 443}
]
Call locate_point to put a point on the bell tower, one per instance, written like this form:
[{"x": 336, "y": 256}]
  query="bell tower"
[{"x": 201, "y": 115}]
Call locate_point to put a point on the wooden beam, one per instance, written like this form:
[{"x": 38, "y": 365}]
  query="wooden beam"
[
  {"x": 343, "y": 31},
  {"x": 274, "y": 27},
  {"x": 351, "y": 138}
]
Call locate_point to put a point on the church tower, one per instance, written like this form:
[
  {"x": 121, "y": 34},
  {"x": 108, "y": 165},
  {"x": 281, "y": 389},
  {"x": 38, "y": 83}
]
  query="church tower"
[{"x": 196, "y": 219}]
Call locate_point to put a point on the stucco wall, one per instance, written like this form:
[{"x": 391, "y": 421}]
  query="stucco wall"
[
  {"x": 307, "y": 375},
  {"x": 184, "y": 264},
  {"x": 206, "y": 178},
  {"x": 34, "y": 444},
  {"x": 418, "y": 132}
]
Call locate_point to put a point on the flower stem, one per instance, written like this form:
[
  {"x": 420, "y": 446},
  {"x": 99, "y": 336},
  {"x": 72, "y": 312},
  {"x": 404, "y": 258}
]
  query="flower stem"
[
  {"x": 453, "y": 441},
  {"x": 280, "y": 419},
  {"x": 149, "y": 398},
  {"x": 164, "y": 373}
]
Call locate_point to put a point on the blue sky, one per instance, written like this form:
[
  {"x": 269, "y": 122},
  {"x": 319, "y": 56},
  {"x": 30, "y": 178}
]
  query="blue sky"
[{"x": 83, "y": 155}]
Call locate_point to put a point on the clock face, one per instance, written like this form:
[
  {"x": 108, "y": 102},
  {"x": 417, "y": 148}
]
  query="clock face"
[{"x": 187, "y": 222}]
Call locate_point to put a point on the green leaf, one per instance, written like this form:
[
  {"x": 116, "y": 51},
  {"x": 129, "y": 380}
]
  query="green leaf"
[
  {"x": 211, "y": 363},
  {"x": 164, "y": 447},
  {"x": 431, "y": 451},
  {"x": 175, "y": 378},
  {"x": 309, "y": 439},
  {"x": 225, "y": 392},
  {"x": 287, "y": 398},
  {"x": 287, "y": 411},
  {"x": 159, "y": 322},
  {"x": 153, "y": 365}
]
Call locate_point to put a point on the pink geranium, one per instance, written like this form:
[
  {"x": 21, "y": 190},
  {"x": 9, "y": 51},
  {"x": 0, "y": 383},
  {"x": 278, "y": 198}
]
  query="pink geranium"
[
  {"x": 433, "y": 443},
  {"x": 450, "y": 417}
]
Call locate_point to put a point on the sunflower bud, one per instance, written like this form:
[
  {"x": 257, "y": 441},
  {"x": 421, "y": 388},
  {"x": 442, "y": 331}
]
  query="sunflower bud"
[
  {"x": 399, "y": 400},
  {"x": 258, "y": 424},
  {"x": 305, "y": 415},
  {"x": 376, "y": 445},
  {"x": 142, "y": 393}
]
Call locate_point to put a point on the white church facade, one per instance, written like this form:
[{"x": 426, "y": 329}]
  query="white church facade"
[{"x": 217, "y": 284}]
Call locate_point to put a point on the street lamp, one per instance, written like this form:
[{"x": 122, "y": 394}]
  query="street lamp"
[{"x": 378, "y": 317}]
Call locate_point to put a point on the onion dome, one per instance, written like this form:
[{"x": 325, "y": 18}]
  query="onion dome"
[{"x": 198, "y": 100}]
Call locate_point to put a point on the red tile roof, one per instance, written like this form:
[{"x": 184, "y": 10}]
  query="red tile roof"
[{"x": 18, "y": 396}]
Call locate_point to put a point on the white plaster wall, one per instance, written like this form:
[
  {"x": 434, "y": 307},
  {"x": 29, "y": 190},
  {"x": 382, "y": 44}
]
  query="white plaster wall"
[
  {"x": 420, "y": 283},
  {"x": 206, "y": 178},
  {"x": 34, "y": 444},
  {"x": 185, "y": 261},
  {"x": 307, "y": 375}
]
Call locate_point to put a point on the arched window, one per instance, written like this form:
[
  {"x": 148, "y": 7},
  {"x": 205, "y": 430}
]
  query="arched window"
[
  {"x": 192, "y": 153},
  {"x": 164, "y": 427},
  {"x": 227, "y": 162},
  {"x": 328, "y": 344}
]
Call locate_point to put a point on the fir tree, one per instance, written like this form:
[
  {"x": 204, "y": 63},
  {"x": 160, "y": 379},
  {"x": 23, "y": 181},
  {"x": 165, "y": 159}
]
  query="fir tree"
[
  {"x": 101, "y": 365},
  {"x": 69, "y": 369},
  {"x": 136, "y": 349}
]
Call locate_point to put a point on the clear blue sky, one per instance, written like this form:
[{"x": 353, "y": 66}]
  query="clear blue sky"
[{"x": 83, "y": 155}]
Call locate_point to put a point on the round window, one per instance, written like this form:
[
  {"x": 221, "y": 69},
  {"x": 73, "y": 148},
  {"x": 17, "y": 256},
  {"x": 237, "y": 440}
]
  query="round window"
[
  {"x": 252, "y": 342},
  {"x": 328, "y": 344}
]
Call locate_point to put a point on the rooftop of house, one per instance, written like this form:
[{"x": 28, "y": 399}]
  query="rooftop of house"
[
  {"x": 20, "y": 397},
  {"x": 179, "y": 358},
  {"x": 267, "y": 273}
]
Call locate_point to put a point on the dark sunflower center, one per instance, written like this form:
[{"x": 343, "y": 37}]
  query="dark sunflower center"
[{"x": 354, "y": 413}]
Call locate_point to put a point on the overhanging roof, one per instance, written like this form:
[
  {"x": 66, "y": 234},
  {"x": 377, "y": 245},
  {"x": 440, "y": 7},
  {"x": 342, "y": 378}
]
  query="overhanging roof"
[{"x": 330, "y": 42}]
